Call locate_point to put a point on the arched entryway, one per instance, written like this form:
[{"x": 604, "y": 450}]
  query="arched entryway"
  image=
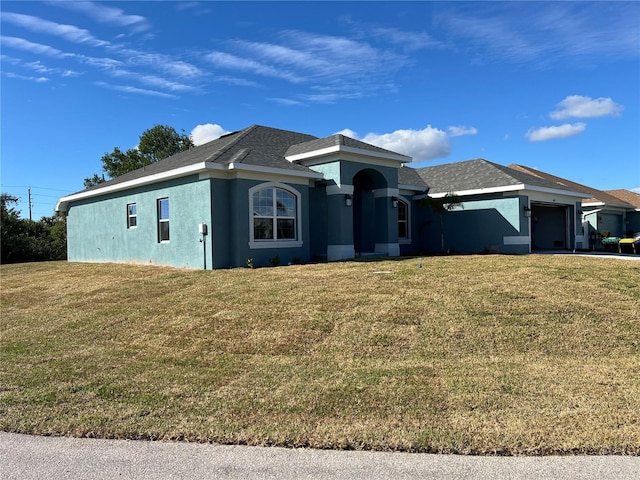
[{"x": 367, "y": 213}]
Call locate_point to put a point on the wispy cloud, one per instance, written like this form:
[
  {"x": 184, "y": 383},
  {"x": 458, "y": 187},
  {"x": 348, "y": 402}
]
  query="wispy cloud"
[
  {"x": 233, "y": 62},
  {"x": 329, "y": 67},
  {"x": 153, "y": 81},
  {"x": 542, "y": 134},
  {"x": 70, "y": 33},
  {"x": 459, "y": 130},
  {"x": 526, "y": 32},
  {"x": 29, "y": 78},
  {"x": 106, "y": 14},
  {"x": 134, "y": 90},
  {"x": 405, "y": 39},
  {"x": 32, "y": 47},
  {"x": 578, "y": 106}
]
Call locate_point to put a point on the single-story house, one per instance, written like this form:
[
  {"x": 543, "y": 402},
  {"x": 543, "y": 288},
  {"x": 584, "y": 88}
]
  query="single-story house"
[
  {"x": 632, "y": 220},
  {"x": 604, "y": 214},
  {"x": 259, "y": 195},
  {"x": 266, "y": 196},
  {"x": 502, "y": 209}
]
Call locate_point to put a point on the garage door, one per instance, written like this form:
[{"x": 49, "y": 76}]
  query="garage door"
[{"x": 548, "y": 227}]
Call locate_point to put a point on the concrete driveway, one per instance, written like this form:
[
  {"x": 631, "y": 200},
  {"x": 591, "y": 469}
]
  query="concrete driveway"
[{"x": 26, "y": 457}]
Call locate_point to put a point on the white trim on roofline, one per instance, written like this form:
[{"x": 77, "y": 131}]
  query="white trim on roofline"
[
  {"x": 511, "y": 188},
  {"x": 345, "y": 149},
  {"x": 200, "y": 167}
]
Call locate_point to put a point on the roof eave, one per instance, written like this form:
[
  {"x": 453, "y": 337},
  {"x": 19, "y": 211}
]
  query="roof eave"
[
  {"x": 509, "y": 188},
  {"x": 63, "y": 203}
]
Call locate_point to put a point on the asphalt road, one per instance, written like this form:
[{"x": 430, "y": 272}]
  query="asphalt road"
[{"x": 25, "y": 457}]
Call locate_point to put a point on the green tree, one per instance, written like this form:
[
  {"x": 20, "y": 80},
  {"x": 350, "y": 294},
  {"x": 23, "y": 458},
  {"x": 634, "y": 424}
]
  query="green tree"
[
  {"x": 440, "y": 206},
  {"x": 25, "y": 240},
  {"x": 10, "y": 226},
  {"x": 156, "y": 143}
]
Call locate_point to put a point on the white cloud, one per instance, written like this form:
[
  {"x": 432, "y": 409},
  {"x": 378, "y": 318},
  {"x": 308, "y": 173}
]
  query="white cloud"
[
  {"x": 206, "y": 133},
  {"x": 636, "y": 190},
  {"x": 578, "y": 106},
  {"x": 31, "y": 79},
  {"x": 549, "y": 133},
  {"x": 233, "y": 62},
  {"x": 561, "y": 32},
  {"x": 135, "y": 90},
  {"x": 426, "y": 144},
  {"x": 347, "y": 132},
  {"x": 38, "y": 48},
  {"x": 68, "y": 32},
  {"x": 105, "y": 14},
  {"x": 459, "y": 130}
]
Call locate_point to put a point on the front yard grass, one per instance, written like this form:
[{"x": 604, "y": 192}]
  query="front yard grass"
[{"x": 468, "y": 354}]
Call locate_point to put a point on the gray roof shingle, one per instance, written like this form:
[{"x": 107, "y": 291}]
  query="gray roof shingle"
[
  {"x": 478, "y": 174},
  {"x": 596, "y": 195},
  {"x": 255, "y": 145},
  {"x": 409, "y": 176}
]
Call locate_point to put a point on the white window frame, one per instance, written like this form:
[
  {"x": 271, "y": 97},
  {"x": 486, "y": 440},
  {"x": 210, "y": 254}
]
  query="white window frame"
[
  {"x": 163, "y": 220},
  {"x": 404, "y": 240},
  {"x": 276, "y": 243},
  {"x": 131, "y": 216}
]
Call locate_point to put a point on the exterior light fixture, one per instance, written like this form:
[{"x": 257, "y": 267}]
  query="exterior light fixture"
[
  {"x": 527, "y": 211},
  {"x": 394, "y": 202},
  {"x": 348, "y": 199}
]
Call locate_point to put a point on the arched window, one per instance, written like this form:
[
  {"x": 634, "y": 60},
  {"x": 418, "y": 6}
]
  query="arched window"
[
  {"x": 403, "y": 220},
  {"x": 275, "y": 213}
]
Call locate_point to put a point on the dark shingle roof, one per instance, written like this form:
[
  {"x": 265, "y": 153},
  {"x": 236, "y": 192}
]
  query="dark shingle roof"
[
  {"x": 596, "y": 195},
  {"x": 478, "y": 174},
  {"x": 255, "y": 145},
  {"x": 409, "y": 176}
]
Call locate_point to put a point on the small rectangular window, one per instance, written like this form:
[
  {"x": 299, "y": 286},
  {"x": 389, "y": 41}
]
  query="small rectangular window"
[
  {"x": 403, "y": 220},
  {"x": 132, "y": 215},
  {"x": 163, "y": 220}
]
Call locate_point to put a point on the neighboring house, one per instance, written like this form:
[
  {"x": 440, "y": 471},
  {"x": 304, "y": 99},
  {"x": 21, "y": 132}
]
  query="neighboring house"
[
  {"x": 632, "y": 222},
  {"x": 603, "y": 214},
  {"x": 502, "y": 210},
  {"x": 259, "y": 195}
]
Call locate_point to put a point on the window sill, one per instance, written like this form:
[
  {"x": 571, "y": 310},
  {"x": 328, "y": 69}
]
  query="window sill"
[
  {"x": 275, "y": 244},
  {"x": 404, "y": 241}
]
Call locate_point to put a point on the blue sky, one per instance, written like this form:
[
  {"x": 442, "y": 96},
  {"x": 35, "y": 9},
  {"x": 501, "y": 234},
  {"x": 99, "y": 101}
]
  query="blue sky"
[{"x": 550, "y": 85}]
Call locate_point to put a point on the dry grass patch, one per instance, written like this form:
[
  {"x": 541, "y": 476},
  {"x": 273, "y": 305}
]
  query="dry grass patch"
[{"x": 472, "y": 354}]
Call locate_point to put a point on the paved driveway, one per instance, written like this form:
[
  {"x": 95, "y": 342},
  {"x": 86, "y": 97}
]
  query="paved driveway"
[{"x": 25, "y": 457}]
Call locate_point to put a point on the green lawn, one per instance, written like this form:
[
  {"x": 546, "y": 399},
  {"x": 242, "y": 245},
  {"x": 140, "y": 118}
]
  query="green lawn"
[{"x": 468, "y": 354}]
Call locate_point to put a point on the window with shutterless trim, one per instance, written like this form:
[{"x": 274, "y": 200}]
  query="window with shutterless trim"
[
  {"x": 275, "y": 216},
  {"x": 403, "y": 220},
  {"x": 163, "y": 220},
  {"x": 132, "y": 215}
]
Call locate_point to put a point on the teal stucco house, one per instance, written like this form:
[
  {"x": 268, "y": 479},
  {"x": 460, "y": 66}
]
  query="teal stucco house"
[
  {"x": 261, "y": 194},
  {"x": 264, "y": 195}
]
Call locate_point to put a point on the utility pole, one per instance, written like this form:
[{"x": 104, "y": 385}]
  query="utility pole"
[{"x": 30, "y": 204}]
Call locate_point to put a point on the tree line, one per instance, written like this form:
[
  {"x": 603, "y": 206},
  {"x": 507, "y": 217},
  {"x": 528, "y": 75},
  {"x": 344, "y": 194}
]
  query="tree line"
[{"x": 24, "y": 240}]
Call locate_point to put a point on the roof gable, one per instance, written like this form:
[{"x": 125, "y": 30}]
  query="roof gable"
[{"x": 340, "y": 143}]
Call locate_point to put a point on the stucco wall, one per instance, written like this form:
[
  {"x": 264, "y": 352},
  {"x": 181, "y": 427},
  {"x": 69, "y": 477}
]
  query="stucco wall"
[
  {"x": 479, "y": 225},
  {"x": 97, "y": 228}
]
